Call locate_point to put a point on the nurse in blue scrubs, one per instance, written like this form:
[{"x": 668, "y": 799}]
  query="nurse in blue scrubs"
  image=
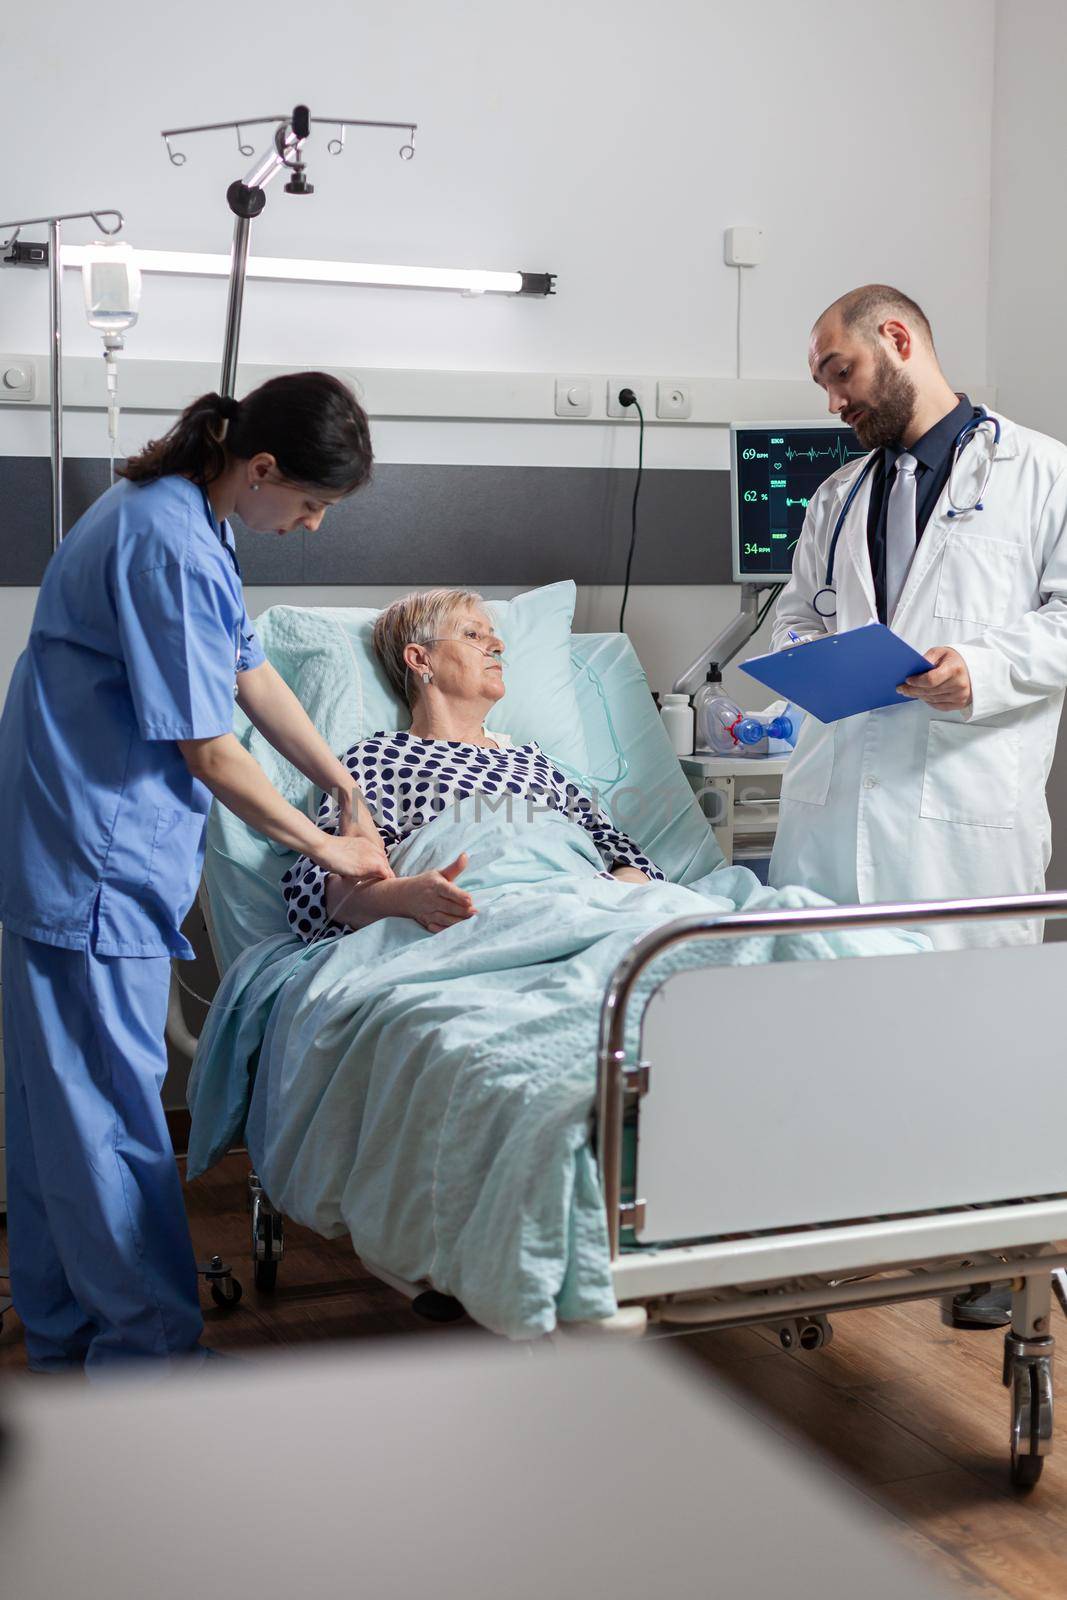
[{"x": 116, "y": 734}]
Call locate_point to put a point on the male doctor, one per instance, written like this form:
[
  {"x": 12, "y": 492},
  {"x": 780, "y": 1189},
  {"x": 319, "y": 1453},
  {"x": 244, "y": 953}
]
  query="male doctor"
[{"x": 942, "y": 798}]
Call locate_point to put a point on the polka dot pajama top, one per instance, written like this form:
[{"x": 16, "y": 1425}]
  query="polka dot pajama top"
[{"x": 407, "y": 781}]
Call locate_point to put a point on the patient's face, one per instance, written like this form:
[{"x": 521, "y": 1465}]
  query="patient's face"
[{"x": 467, "y": 659}]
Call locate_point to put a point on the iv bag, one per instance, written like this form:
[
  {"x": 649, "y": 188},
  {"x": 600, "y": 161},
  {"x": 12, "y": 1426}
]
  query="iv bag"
[{"x": 111, "y": 279}]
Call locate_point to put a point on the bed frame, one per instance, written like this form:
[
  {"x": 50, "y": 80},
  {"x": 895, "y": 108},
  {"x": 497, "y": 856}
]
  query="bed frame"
[{"x": 858, "y": 1132}]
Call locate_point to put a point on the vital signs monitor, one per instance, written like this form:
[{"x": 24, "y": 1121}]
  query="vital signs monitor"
[{"x": 775, "y": 468}]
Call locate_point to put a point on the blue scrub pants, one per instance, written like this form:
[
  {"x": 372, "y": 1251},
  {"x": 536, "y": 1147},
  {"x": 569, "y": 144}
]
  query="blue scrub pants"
[{"x": 102, "y": 1267}]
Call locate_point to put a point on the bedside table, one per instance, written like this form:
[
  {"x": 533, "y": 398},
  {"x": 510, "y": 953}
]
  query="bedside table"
[{"x": 739, "y": 796}]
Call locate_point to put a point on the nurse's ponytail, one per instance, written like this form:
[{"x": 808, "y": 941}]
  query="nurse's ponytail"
[{"x": 311, "y": 423}]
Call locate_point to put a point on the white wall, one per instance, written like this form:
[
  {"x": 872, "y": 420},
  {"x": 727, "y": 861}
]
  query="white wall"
[
  {"x": 608, "y": 142},
  {"x": 1028, "y": 259},
  {"x": 1028, "y": 244}
]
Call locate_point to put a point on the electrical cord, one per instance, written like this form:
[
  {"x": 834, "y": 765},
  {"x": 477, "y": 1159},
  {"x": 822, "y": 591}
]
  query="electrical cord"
[
  {"x": 761, "y": 614},
  {"x": 628, "y": 398}
]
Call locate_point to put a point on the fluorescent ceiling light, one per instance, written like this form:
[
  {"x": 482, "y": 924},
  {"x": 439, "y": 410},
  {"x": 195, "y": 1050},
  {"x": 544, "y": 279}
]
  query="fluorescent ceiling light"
[{"x": 468, "y": 280}]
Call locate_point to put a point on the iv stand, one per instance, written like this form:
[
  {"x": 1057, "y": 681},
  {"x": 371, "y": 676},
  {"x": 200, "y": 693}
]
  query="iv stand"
[
  {"x": 55, "y": 310},
  {"x": 726, "y": 644},
  {"x": 246, "y": 197},
  {"x": 246, "y": 200}
]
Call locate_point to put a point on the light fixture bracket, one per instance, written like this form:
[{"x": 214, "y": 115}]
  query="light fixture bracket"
[{"x": 538, "y": 283}]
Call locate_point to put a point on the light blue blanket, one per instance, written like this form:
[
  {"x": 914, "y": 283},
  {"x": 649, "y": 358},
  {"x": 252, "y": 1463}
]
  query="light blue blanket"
[{"x": 430, "y": 1094}]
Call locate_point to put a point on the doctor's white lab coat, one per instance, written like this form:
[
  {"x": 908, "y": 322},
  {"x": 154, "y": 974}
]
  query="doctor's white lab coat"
[{"x": 907, "y": 803}]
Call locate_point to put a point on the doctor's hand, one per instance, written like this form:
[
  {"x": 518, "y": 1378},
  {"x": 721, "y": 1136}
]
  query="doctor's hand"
[{"x": 947, "y": 687}]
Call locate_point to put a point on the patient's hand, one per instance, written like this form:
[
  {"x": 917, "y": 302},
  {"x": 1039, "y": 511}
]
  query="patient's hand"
[
  {"x": 630, "y": 875},
  {"x": 433, "y": 899},
  {"x": 430, "y": 899}
]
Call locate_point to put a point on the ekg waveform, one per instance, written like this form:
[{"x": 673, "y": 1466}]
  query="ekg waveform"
[{"x": 837, "y": 449}]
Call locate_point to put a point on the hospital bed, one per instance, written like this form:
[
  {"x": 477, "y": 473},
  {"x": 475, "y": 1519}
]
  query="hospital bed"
[
  {"x": 850, "y": 1169},
  {"x": 842, "y": 1160}
]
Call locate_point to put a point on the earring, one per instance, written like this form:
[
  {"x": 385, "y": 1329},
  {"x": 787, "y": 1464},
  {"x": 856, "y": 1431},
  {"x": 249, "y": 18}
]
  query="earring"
[
  {"x": 427, "y": 677},
  {"x": 254, "y": 487}
]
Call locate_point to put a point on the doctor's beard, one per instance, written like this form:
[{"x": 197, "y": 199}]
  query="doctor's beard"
[{"x": 890, "y": 408}]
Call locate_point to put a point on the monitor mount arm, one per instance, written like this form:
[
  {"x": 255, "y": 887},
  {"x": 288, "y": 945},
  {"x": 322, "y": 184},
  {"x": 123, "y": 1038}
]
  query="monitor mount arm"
[{"x": 725, "y": 645}]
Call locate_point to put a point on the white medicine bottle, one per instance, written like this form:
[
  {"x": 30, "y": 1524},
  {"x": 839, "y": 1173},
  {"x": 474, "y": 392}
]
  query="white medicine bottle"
[{"x": 677, "y": 716}]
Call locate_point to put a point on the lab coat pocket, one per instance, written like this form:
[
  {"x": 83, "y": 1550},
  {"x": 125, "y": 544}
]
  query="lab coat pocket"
[
  {"x": 971, "y": 775},
  {"x": 978, "y": 579},
  {"x": 811, "y": 766}
]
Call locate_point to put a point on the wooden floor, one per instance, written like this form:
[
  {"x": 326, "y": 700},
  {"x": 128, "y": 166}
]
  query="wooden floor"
[{"x": 907, "y": 1411}]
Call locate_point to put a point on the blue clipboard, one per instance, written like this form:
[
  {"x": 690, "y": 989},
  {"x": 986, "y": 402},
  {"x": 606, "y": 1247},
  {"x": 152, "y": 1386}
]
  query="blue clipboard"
[{"x": 843, "y": 674}]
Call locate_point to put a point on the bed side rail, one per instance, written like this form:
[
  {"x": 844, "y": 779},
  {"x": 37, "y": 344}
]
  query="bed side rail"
[{"x": 611, "y": 1062}]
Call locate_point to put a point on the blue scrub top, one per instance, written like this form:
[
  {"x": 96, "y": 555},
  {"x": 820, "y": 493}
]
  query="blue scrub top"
[{"x": 139, "y": 632}]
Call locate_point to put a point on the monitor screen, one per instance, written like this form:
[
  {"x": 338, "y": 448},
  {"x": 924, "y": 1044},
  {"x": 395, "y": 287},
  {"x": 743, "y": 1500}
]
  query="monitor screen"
[{"x": 774, "y": 471}]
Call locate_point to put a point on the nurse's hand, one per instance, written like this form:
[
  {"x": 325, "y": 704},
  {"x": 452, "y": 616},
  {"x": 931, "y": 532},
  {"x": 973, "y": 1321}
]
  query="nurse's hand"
[
  {"x": 354, "y": 856},
  {"x": 947, "y": 687}
]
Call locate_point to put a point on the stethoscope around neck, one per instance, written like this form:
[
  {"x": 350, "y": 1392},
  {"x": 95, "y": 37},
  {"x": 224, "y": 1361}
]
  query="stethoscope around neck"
[{"x": 825, "y": 599}]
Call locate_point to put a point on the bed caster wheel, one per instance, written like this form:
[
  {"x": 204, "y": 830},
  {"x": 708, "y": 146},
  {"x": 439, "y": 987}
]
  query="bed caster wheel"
[
  {"x": 436, "y": 1307},
  {"x": 815, "y": 1332},
  {"x": 227, "y": 1293},
  {"x": 1026, "y": 1470},
  {"x": 265, "y": 1276},
  {"x": 225, "y": 1288},
  {"x": 805, "y": 1333},
  {"x": 1028, "y": 1373},
  {"x": 268, "y": 1242}
]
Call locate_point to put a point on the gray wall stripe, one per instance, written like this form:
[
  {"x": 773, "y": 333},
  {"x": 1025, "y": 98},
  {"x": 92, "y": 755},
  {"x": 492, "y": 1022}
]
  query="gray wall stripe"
[{"x": 439, "y": 524}]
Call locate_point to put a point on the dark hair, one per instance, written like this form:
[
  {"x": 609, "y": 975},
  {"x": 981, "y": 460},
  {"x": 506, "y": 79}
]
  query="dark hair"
[{"x": 311, "y": 423}]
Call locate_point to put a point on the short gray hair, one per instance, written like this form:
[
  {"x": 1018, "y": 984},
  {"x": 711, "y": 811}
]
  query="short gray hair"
[{"x": 415, "y": 619}]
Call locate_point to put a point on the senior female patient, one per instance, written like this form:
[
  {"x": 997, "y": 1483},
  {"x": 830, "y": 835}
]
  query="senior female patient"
[{"x": 439, "y": 650}]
